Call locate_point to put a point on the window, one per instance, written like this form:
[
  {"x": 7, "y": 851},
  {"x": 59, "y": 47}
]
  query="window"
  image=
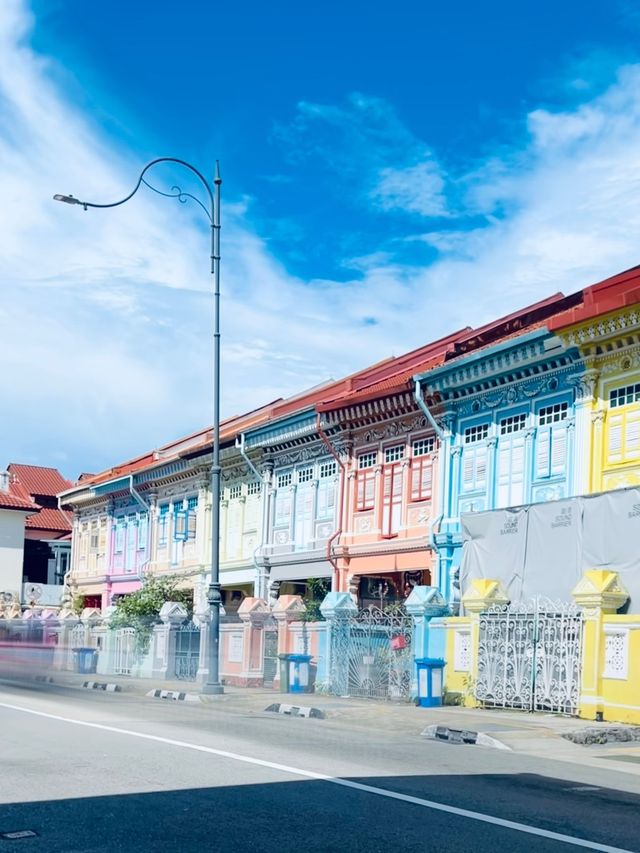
[
  {"x": 624, "y": 396},
  {"x": 551, "y": 441},
  {"x": 476, "y": 433},
  {"x": 254, "y": 488},
  {"x": 393, "y": 454},
  {"x": 305, "y": 475},
  {"x": 143, "y": 524},
  {"x": 284, "y": 480},
  {"x": 474, "y": 468},
  {"x": 553, "y": 414},
  {"x": 119, "y": 536},
  {"x": 422, "y": 478},
  {"x": 326, "y": 498},
  {"x": 367, "y": 460},
  {"x": 514, "y": 423},
  {"x": 391, "y": 499},
  {"x": 327, "y": 469},
  {"x": 179, "y": 522},
  {"x": 510, "y": 475},
  {"x": 422, "y": 446},
  {"x": 192, "y": 504},
  {"x": 94, "y": 536},
  {"x": 163, "y": 518},
  {"x": 235, "y": 492}
]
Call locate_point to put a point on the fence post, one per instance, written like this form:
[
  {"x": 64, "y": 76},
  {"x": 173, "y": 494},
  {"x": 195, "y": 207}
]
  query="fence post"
[
  {"x": 67, "y": 621},
  {"x": 162, "y": 648},
  {"x": 599, "y": 592},
  {"x": 338, "y": 608},
  {"x": 423, "y": 605}
]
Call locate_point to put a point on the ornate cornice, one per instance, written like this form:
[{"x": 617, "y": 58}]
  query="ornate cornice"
[{"x": 613, "y": 328}]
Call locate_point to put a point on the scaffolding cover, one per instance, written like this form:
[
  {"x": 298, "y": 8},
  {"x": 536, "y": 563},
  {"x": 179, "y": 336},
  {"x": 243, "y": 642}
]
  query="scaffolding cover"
[{"x": 543, "y": 549}]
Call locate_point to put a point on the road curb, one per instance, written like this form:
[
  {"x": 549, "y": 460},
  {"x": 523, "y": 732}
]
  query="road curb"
[
  {"x": 462, "y": 736},
  {"x": 107, "y": 686},
  {"x": 173, "y": 695},
  {"x": 296, "y": 710}
]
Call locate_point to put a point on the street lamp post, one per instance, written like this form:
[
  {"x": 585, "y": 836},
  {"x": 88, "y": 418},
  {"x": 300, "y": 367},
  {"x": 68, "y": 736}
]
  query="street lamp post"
[{"x": 213, "y": 685}]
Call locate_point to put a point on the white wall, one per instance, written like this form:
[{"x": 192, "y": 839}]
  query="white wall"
[{"x": 11, "y": 550}]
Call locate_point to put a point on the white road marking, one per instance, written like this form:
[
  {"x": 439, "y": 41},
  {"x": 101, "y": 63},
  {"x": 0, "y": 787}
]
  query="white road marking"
[{"x": 333, "y": 780}]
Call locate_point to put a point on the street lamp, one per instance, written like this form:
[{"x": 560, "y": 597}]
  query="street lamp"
[{"x": 213, "y": 684}]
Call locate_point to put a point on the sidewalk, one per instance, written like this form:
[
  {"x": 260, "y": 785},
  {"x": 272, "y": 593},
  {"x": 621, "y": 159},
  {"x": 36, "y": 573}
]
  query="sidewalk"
[{"x": 538, "y": 735}]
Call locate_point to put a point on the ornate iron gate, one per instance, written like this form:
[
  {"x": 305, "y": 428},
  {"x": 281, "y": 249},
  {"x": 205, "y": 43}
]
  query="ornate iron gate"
[
  {"x": 269, "y": 651},
  {"x": 372, "y": 655},
  {"x": 187, "y": 652},
  {"x": 124, "y": 651},
  {"x": 529, "y": 657}
]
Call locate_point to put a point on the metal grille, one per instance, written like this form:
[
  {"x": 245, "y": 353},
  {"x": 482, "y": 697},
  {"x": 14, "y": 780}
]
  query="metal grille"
[
  {"x": 124, "y": 651},
  {"x": 187, "y": 652},
  {"x": 371, "y": 655},
  {"x": 529, "y": 657}
]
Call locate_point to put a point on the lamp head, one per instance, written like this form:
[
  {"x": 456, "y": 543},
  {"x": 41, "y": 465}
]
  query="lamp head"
[{"x": 67, "y": 199}]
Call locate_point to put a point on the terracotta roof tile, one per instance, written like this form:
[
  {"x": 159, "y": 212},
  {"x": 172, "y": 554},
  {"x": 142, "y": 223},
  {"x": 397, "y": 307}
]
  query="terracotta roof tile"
[
  {"x": 10, "y": 501},
  {"x": 36, "y": 480},
  {"x": 50, "y": 519}
]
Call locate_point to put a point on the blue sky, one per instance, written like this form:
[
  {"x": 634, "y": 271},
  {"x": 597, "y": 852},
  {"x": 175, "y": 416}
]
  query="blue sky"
[{"x": 390, "y": 174}]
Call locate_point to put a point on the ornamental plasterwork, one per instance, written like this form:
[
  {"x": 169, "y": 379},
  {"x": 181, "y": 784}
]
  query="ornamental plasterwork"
[
  {"x": 394, "y": 429},
  {"x": 621, "y": 363},
  {"x": 497, "y": 363},
  {"x": 303, "y": 454},
  {"x": 584, "y": 384},
  {"x": 235, "y": 472},
  {"x": 521, "y": 391},
  {"x": 600, "y": 329}
]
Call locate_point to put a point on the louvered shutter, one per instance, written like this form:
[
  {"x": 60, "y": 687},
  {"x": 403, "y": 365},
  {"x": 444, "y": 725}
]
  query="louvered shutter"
[
  {"x": 543, "y": 453},
  {"x": 516, "y": 496},
  {"x": 481, "y": 467},
  {"x": 234, "y": 511},
  {"x": 504, "y": 472},
  {"x": 468, "y": 466},
  {"x": 614, "y": 450},
  {"x": 304, "y": 516},
  {"x": 558, "y": 450},
  {"x": 632, "y": 435}
]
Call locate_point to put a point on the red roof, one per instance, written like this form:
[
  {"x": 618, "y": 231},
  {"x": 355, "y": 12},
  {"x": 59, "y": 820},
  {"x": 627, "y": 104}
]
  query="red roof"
[
  {"x": 9, "y": 501},
  {"x": 50, "y": 519},
  {"x": 36, "y": 480},
  {"x": 616, "y": 292}
]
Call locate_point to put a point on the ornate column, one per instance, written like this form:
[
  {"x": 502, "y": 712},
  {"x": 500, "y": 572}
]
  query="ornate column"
[
  {"x": 338, "y": 609},
  {"x": 597, "y": 424},
  {"x": 583, "y": 447}
]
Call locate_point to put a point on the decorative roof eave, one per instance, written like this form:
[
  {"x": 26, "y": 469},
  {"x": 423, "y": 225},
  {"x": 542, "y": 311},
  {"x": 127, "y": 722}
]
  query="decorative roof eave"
[
  {"x": 291, "y": 429},
  {"x": 523, "y": 376},
  {"x": 371, "y": 411},
  {"x": 540, "y": 354},
  {"x": 600, "y": 334}
]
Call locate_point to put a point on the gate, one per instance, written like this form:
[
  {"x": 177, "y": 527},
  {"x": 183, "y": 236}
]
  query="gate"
[
  {"x": 529, "y": 657},
  {"x": 124, "y": 651},
  {"x": 372, "y": 655},
  {"x": 187, "y": 652},
  {"x": 269, "y": 651}
]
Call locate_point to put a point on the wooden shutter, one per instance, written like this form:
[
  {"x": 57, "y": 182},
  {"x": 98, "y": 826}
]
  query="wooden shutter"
[
  {"x": 304, "y": 516},
  {"x": 234, "y": 531},
  {"x": 365, "y": 497},
  {"x": 614, "y": 450},
  {"x": 543, "y": 453},
  {"x": 468, "y": 467},
  {"x": 632, "y": 435},
  {"x": 422, "y": 479},
  {"x": 481, "y": 467},
  {"x": 558, "y": 450},
  {"x": 391, "y": 499},
  {"x": 516, "y": 496}
]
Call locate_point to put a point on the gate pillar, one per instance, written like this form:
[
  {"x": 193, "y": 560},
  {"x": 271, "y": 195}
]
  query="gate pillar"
[
  {"x": 288, "y": 609},
  {"x": 482, "y": 594},
  {"x": 253, "y": 612},
  {"x": 425, "y": 604},
  {"x": 598, "y": 593},
  {"x": 338, "y": 608}
]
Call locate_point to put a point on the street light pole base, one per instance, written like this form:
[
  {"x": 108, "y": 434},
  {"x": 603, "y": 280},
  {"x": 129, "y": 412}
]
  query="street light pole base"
[{"x": 212, "y": 689}]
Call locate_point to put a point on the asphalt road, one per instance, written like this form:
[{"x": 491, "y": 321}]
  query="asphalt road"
[{"x": 95, "y": 772}]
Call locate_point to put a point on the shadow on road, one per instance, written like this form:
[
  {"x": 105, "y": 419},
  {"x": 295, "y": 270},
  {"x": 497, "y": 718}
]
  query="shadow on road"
[{"x": 310, "y": 816}]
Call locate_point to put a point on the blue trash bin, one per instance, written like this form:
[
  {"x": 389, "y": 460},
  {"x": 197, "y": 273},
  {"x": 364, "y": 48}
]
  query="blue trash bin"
[
  {"x": 299, "y": 676},
  {"x": 430, "y": 681},
  {"x": 85, "y": 660}
]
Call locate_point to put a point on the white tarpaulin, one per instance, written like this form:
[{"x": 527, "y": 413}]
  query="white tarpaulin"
[{"x": 543, "y": 549}]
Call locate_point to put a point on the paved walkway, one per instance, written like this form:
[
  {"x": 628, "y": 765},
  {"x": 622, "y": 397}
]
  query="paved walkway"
[{"x": 537, "y": 734}]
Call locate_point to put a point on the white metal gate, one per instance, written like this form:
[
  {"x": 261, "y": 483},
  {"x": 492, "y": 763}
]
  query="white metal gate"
[
  {"x": 124, "y": 651},
  {"x": 372, "y": 655},
  {"x": 187, "y": 652},
  {"x": 529, "y": 657}
]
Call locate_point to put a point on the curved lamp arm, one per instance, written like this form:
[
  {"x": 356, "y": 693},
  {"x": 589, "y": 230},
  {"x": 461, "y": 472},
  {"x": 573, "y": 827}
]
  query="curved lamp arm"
[{"x": 176, "y": 192}]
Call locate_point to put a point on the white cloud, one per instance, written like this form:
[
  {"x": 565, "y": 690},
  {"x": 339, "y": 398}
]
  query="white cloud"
[{"x": 105, "y": 332}]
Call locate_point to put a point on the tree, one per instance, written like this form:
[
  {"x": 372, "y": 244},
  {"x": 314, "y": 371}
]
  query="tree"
[{"x": 140, "y": 609}]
